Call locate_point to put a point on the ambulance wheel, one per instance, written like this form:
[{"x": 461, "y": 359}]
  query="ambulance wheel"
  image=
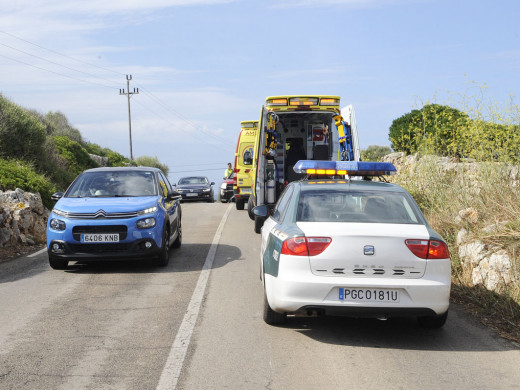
[
  {"x": 240, "y": 204},
  {"x": 250, "y": 206}
]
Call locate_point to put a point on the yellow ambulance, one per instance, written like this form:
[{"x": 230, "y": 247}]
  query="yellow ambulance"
[
  {"x": 292, "y": 128},
  {"x": 244, "y": 162}
]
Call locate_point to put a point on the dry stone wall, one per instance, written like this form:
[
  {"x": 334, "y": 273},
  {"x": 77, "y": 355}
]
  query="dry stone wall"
[
  {"x": 23, "y": 218},
  {"x": 490, "y": 266}
]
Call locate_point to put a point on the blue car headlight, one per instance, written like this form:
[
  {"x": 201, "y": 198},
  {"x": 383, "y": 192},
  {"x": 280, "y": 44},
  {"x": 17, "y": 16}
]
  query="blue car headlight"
[
  {"x": 146, "y": 223},
  {"x": 206, "y": 189},
  {"x": 57, "y": 224},
  {"x": 149, "y": 210}
]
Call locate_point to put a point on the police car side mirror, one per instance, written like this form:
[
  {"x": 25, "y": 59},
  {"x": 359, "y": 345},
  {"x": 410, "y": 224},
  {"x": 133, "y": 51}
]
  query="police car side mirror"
[{"x": 261, "y": 211}]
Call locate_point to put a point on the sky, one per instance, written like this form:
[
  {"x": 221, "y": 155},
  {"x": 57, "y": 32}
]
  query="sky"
[{"x": 202, "y": 66}]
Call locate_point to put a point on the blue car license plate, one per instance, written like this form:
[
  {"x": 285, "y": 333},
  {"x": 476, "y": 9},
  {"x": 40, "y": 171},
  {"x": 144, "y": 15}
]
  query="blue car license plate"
[{"x": 99, "y": 237}]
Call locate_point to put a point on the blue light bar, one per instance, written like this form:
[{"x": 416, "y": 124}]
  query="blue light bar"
[{"x": 351, "y": 168}]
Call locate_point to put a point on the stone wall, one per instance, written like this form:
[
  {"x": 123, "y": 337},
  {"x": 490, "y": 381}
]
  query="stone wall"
[
  {"x": 23, "y": 218},
  {"x": 491, "y": 266}
]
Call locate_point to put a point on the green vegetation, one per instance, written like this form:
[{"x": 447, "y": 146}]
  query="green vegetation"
[
  {"x": 480, "y": 145},
  {"x": 375, "y": 152},
  {"x": 445, "y": 131},
  {"x": 147, "y": 161},
  {"x": 20, "y": 174},
  {"x": 44, "y": 153}
]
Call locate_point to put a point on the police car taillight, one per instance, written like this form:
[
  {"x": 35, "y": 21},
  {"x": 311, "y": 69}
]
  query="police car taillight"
[
  {"x": 341, "y": 168},
  {"x": 305, "y": 246},
  {"x": 428, "y": 249}
]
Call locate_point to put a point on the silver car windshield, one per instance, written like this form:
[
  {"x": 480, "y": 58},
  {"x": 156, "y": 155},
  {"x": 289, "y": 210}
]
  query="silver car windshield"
[
  {"x": 368, "y": 206},
  {"x": 113, "y": 184}
]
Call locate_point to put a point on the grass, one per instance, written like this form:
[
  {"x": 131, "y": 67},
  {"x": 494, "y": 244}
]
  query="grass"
[{"x": 490, "y": 195}]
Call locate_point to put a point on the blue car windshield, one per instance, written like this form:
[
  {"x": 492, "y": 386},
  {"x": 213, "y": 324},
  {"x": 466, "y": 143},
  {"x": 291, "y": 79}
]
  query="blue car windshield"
[{"x": 113, "y": 184}]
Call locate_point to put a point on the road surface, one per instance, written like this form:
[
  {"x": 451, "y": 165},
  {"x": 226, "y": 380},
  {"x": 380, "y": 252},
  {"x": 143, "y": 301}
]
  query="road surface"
[{"x": 197, "y": 324}]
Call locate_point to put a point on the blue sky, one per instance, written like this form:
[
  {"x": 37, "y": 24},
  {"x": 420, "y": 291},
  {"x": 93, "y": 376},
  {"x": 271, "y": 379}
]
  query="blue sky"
[{"x": 202, "y": 66}]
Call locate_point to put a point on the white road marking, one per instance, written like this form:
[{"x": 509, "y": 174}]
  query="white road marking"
[
  {"x": 37, "y": 253},
  {"x": 173, "y": 366}
]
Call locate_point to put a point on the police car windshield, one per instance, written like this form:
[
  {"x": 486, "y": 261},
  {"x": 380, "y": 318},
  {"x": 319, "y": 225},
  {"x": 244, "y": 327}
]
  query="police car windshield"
[
  {"x": 325, "y": 205},
  {"x": 113, "y": 184}
]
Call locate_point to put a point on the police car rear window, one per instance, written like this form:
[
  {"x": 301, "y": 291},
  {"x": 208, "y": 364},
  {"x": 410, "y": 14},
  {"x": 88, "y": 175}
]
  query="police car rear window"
[{"x": 367, "y": 206}]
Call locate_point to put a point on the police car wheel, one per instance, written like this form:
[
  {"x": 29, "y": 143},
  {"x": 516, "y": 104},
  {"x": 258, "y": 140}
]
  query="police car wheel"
[
  {"x": 240, "y": 204},
  {"x": 432, "y": 322},
  {"x": 250, "y": 206},
  {"x": 270, "y": 316}
]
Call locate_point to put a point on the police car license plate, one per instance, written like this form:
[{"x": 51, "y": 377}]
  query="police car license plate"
[
  {"x": 246, "y": 190},
  {"x": 368, "y": 295},
  {"x": 99, "y": 237}
]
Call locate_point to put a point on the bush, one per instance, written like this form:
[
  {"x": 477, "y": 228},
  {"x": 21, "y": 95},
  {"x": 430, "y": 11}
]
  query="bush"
[
  {"x": 20, "y": 174},
  {"x": 21, "y": 135},
  {"x": 75, "y": 156},
  {"x": 147, "y": 161},
  {"x": 375, "y": 152},
  {"x": 114, "y": 159}
]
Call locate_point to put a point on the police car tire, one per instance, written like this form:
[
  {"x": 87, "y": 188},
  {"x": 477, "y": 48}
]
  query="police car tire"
[
  {"x": 270, "y": 316},
  {"x": 432, "y": 322},
  {"x": 250, "y": 206},
  {"x": 240, "y": 204},
  {"x": 259, "y": 222},
  {"x": 58, "y": 263}
]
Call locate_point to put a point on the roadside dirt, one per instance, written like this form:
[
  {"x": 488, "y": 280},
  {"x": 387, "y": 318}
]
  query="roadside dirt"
[{"x": 11, "y": 252}]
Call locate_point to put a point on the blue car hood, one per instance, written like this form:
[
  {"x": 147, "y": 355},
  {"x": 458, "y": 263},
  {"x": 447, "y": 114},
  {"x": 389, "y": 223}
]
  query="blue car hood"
[{"x": 110, "y": 205}]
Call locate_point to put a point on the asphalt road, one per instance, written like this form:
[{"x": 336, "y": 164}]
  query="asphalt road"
[{"x": 197, "y": 324}]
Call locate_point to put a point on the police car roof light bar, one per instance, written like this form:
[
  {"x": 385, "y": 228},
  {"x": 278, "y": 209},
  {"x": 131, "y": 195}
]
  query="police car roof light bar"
[{"x": 351, "y": 168}]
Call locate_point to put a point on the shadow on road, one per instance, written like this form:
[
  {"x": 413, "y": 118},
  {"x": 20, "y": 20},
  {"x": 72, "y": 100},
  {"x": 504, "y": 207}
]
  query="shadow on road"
[
  {"x": 188, "y": 258},
  {"x": 460, "y": 333}
]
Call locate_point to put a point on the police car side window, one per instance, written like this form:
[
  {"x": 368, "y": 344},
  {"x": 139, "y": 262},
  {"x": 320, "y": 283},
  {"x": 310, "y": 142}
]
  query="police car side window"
[{"x": 283, "y": 202}]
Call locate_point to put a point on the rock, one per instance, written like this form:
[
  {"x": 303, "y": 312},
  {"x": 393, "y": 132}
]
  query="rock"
[
  {"x": 469, "y": 215},
  {"x": 473, "y": 253},
  {"x": 462, "y": 236}
]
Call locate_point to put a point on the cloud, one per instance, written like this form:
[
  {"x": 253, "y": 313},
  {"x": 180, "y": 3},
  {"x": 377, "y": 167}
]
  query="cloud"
[{"x": 343, "y": 3}]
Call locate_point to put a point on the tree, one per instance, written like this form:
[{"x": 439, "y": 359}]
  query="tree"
[
  {"x": 375, "y": 152},
  {"x": 434, "y": 128},
  {"x": 147, "y": 161},
  {"x": 21, "y": 135}
]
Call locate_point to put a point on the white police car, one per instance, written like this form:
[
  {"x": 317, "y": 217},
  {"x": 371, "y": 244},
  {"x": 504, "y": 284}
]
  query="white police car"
[{"x": 351, "y": 247}]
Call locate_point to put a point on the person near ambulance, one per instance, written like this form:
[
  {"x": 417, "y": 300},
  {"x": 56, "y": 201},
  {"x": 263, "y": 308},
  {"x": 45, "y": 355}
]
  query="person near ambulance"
[{"x": 228, "y": 171}]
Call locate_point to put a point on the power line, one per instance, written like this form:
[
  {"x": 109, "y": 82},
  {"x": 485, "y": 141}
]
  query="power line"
[
  {"x": 56, "y": 73},
  {"x": 61, "y": 54},
  {"x": 55, "y": 63}
]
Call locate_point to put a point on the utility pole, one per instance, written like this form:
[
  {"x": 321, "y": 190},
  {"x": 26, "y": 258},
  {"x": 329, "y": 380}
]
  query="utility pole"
[{"x": 129, "y": 95}]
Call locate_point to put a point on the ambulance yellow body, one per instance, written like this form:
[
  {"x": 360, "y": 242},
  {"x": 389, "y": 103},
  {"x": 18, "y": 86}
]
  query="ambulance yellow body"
[{"x": 244, "y": 174}]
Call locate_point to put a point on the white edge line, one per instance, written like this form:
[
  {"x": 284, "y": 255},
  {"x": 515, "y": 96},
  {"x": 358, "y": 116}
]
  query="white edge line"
[
  {"x": 37, "y": 253},
  {"x": 172, "y": 369}
]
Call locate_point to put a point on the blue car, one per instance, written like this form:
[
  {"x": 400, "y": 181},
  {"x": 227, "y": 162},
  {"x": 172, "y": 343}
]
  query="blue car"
[{"x": 115, "y": 214}]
